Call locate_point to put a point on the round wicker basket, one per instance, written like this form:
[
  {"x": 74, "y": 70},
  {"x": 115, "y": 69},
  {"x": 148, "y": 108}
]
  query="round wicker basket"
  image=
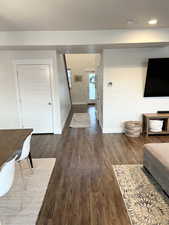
[{"x": 132, "y": 128}]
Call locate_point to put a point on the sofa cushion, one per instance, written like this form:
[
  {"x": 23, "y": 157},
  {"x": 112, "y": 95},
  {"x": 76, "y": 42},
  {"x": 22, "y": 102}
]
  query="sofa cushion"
[{"x": 159, "y": 151}]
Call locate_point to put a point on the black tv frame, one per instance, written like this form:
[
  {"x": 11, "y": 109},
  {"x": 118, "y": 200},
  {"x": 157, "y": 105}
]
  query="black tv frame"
[{"x": 148, "y": 83}]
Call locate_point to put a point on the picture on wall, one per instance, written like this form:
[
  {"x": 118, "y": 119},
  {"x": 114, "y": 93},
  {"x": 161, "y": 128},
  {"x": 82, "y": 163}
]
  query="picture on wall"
[{"x": 78, "y": 78}]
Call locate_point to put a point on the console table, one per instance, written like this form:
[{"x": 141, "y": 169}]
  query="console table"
[{"x": 155, "y": 116}]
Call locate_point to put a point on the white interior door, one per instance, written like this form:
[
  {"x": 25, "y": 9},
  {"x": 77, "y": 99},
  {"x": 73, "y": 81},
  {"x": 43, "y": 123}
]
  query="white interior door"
[{"x": 34, "y": 87}]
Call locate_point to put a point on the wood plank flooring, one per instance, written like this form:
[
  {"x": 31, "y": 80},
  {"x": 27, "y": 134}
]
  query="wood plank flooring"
[{"x": 83, "y": 189}]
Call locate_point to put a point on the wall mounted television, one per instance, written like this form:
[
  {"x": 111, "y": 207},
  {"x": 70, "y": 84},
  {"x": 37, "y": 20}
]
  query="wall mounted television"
[{"x": 157, "y": 80}]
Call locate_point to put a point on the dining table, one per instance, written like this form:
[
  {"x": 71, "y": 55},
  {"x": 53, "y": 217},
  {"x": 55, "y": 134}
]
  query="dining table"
[{"x": 11, "y": 142}]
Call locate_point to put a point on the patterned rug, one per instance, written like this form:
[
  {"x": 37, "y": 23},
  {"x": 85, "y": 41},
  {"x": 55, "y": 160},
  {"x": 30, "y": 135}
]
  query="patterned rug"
[
  {"x": 145, "y": 201},
  {"x": 22, "y": 204},
  {"x": 80, "y": 120}
]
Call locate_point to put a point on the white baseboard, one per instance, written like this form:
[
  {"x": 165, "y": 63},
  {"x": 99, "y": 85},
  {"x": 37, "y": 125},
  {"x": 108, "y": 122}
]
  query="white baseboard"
[
  {"x": 112, "y": 130},
  {"x": 79, "y": 103},
  {"x": 58, "y": 132}
]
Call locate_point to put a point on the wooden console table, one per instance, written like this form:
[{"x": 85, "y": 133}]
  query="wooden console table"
[{"x": 155, "y": 116}]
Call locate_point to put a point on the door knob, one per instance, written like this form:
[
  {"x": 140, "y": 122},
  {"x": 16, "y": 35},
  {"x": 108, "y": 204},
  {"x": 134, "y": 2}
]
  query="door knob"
[{"x": 49, "y": 103}]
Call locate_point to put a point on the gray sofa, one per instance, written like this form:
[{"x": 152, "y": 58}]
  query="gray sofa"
[{"x": 156, "y": 161}]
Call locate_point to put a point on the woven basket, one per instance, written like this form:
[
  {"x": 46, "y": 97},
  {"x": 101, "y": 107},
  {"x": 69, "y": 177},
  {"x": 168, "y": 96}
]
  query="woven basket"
[{"x": 132, "y": 128}]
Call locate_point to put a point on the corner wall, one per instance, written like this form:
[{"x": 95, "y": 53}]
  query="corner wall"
[
  {"x": 65, "y": 102},
  {"x": 126, "y": 69},
  {"x": 99, "y": 89}
]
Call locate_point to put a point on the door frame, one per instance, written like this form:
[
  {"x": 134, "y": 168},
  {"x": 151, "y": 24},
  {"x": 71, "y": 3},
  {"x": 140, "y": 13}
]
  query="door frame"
[{"x": 27, "y": 62}]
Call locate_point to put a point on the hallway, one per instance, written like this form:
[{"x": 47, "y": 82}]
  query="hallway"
[{"x": 83, "y": 189}]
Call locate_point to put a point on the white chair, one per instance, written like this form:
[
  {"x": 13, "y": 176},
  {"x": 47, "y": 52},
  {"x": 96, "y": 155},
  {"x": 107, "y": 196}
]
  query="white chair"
[
  {"x": 25, "y": 149},
  {"x": 24, "y": 155},
  {"x": 7, "y": 173}
]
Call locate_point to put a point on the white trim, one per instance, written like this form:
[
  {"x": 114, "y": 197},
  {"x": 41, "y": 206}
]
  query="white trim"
[
  {"x": 79, "y": 103},
  {"x": 92, "y": 70},
  {"x": 17, "y": 96},
  {"x": 112, "y": 130},
  {"x": 48, "y": 62}
]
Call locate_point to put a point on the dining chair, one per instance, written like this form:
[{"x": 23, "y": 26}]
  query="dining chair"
[
  {"x": 25, "y": 152},
  {"x": 7, "y": 173}
]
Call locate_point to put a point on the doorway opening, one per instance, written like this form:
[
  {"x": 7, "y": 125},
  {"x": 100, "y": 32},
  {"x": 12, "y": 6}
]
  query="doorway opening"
[{"x": 82, "y": 74}]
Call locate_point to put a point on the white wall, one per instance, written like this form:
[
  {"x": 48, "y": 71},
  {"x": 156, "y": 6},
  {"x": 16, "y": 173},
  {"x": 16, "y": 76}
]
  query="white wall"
[
  {"x": 126, "y": 69},
  {"x": 80, "y": 64},
  {"x": 99, "y": 84},
  {"x": 9, "y": 118},
  {"x": 65, "y": 102},
  {"x": 8, "y": 109}
]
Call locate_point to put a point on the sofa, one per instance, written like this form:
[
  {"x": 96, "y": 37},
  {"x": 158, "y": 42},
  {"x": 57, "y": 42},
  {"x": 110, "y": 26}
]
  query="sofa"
[{"x": 156, "y": 161}]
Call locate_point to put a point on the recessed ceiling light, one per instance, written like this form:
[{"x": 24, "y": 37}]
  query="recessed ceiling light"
[{"x": 153, "y": 21}]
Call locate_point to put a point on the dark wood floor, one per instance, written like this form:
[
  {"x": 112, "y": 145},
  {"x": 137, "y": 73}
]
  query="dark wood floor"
[{"x": 83, "y": 189}]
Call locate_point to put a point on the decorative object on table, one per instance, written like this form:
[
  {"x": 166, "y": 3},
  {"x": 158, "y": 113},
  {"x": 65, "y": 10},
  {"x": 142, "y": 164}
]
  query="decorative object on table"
[
  {"x": 78, "y": 78},
  {"x": 132, "y": 128},
  {"x": 156, "y": 125},
  {"x": 144, "y": 199},
  {"x": 80, "y": 120},
  {"x": 32, "y": 198}
]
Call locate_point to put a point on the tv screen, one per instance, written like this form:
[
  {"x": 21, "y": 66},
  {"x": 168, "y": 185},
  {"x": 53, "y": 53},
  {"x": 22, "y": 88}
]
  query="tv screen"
[{"x": 157, "y": 80}]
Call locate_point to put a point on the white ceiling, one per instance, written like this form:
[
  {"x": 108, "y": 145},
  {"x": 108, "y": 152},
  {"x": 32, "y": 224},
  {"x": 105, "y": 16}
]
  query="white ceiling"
[{"x": 81, "y": 14}]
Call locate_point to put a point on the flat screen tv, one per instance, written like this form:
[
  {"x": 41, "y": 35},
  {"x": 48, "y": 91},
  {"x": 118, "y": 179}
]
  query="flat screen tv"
[{"x": 157, "y": 80}]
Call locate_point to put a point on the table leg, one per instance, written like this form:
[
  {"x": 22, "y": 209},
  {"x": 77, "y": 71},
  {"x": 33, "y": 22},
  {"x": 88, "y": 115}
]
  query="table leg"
[{"x": 30, "y": 159}]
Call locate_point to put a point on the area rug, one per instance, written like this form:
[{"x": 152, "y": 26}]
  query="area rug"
[
  {"x": 80, "y": 120},
  {"x": 22, "y": 204},
  {"x": 145, "y": 201}
]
